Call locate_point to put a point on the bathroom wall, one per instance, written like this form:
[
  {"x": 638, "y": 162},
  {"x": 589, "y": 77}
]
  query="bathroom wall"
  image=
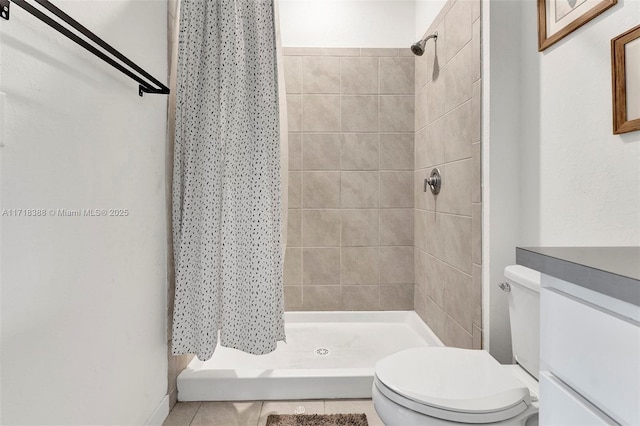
[
  {"x": 448, "y": 260},
  {"x": 83, "y": 309},
  {"x": 580, "y": 183},
  {"x": 347, "y": 23},
  {"x": 558, "y": 176},
  {"x": 350, "y": 229}
]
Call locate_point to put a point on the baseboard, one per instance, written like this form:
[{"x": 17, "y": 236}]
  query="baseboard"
[{"x": 160, "y": 414}]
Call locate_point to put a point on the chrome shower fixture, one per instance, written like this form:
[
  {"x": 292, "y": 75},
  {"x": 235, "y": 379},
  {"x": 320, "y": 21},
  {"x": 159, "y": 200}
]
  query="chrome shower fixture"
[{"x": 418, "y": 47}]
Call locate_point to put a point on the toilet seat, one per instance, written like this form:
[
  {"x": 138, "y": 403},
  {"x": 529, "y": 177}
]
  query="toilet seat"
[{"x": 467, "y": 386}]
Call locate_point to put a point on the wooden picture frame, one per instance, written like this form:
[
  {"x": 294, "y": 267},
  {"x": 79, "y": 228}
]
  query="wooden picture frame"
[
  {"x": 558, "y": 18},
  {"x": 625, "y": 81}
]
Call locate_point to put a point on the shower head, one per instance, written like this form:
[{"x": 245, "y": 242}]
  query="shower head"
[{"x": 418, "y": 47}]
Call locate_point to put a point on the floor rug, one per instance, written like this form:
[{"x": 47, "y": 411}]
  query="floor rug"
[{"x": 317, "y": 420}]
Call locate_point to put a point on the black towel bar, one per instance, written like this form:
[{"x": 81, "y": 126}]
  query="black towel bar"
[{"x": 147, "y": 83}]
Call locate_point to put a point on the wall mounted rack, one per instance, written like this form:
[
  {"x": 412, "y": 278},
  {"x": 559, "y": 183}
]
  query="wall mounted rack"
[{"x": 147, "y": 83}]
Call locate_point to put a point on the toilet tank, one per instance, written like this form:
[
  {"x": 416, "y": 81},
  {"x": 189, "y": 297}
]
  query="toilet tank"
[{"x": 524, "y": 315}]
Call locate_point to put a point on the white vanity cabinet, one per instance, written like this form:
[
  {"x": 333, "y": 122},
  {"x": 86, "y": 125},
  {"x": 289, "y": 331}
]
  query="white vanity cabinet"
[
  {"x": 589, "y": 338},
  {"x": 589, "y": 362}
]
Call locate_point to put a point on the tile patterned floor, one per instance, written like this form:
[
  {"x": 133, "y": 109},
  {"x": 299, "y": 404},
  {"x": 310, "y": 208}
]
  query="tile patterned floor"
[{"x": 254, "y": 413}]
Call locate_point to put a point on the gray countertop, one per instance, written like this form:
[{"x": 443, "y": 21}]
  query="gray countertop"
[{"x": 613, "y": 271}]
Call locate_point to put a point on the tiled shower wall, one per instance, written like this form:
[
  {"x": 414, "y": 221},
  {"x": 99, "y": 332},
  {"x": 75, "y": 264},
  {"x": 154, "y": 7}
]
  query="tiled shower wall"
[
  {"x": 351, "y": 167},
  {"x": 448, "y": 291}
]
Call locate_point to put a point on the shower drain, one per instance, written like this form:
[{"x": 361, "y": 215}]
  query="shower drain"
[{"x": 322, "y": 351}]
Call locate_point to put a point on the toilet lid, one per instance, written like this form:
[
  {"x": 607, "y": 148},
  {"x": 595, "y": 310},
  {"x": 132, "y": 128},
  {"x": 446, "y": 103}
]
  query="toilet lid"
[{"x": 454, "y": 380}]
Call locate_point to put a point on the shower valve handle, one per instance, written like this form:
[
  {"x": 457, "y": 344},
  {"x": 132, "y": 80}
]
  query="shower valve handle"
[{"x": 434, "y": 182}]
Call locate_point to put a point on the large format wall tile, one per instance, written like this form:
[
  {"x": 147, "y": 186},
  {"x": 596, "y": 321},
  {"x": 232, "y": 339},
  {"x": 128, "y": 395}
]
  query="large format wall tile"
[
  {"x": 421, "y": 110},
  {"x": 436, "y": 142},
  {"x": 458, "y": 126},
  {"x": 457, "y": 336},
  {"x": 458, "y": 78},
  {"x": 447, "y": 228},
  {"x": 397, "y": 297},
  {"x": 360, "y": 113},
  {"x": 361, "y": 297},
  {"x": 359, "y": 151},
  {"x": 321, "y": 151},
  {"x": 321, "y": 266},
  {"x": 293, "y": 74},
  {"x": 293, "y": 298},
  {"x": 295, "y": 190},
  {"x": 452, "y": 240},
  {"x": 294, "y": 228},
  {"x": 436, "y": 279},
  {"x": 420, "y": 262},
  {"x": 359, "y": 228},
  {"x": 437, "y": 92},
  {"x": 294, "y": 112},
  {"x": 321, "y": 113},
  {"x": 320, "y": 75},
  {"x": 351, "y": 115},
  {"x": 295, "y": 151},
  {"x": 476, "y": 50},
  {"x": 476, "y": 106},
  {"x": 322, "y": 298},
  {"x": 359, "y": 76},
  {"x": 476, "y": 190},
  {"x": 459, "y": 300},
  {"x": 321, "y": 228},
  {"x": 457, "y": 27},
  {"x": 396, "y": 227},
  {"x": 397, "y": 113},
  {"x": 455, "y": 195},
  {"x": 359, "y": 189},
  {"x": 397, "y": 76},
  {"x": 321, "y": 190},
  {"x": 396, "y": 189},
  {"x": 396, "y": 265},
  {"x": 293, "y": 266},
  {"x": 359, "y": 265},
  {"x": 476, "y": 234},
  {"x": 396, "y": 151},
  {"x": 436, "y": 319}
]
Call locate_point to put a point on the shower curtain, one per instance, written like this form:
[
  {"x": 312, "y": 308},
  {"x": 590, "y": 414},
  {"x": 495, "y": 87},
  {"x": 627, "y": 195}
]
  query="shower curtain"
[{"x": 227, "y": 194}]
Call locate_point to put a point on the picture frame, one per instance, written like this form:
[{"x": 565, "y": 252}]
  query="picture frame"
[
  {"x": 625, "y": 78},
  {"x": 558, "y": 18}
]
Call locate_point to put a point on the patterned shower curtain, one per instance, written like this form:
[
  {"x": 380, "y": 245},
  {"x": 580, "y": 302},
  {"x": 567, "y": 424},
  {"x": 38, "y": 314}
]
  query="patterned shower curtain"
[{"x": 226, "y": 180}]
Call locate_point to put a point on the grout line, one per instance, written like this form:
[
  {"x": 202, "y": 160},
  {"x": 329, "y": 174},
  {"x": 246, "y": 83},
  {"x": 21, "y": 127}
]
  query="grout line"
[{"x": 447, "y": 263}]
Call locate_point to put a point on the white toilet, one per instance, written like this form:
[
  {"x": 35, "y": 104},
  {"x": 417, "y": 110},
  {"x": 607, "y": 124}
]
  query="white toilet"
[{"x": 444, "y": 386}]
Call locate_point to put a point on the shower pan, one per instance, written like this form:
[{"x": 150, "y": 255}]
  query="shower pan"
[{"x": 327, "y": 355}]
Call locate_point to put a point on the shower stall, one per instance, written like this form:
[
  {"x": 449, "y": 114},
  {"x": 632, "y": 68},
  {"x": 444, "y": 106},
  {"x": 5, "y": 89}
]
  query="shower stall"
[
  {"x": 327, "y": 355},
  {"x": 374, "y": 262}
]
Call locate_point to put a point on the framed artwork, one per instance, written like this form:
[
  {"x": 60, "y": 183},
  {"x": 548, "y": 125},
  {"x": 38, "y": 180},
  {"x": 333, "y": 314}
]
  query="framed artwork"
[
  {"x": 557, "y": 18},
  {"x": 625, "y": 76}
]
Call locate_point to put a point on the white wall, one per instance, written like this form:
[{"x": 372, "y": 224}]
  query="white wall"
[
  {"x": 580, "y": 184},
  {"x": 347, "y": 23},
  {"x": 83, "y": 298},
  {"x": 557, "y": 175}
]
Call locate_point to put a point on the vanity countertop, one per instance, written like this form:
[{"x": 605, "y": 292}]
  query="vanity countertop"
[{"x": 613, "y": 271}]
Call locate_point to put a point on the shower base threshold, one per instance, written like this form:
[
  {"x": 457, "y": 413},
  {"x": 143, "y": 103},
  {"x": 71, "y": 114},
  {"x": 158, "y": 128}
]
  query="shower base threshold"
[{"x": 327, "y": 355}]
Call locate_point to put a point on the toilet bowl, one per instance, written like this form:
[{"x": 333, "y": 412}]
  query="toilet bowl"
[{"x": 447, "y": 386}]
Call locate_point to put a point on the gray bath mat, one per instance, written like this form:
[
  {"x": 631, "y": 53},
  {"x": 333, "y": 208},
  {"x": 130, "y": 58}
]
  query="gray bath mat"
[{"x": 317, "y": 420}]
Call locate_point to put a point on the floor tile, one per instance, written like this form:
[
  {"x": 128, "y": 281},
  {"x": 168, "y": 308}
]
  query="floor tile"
[
  {"x": 182, "y": 414},
  {"x": 354, "y": 406},
  {"x": 228, "y": 414}
]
